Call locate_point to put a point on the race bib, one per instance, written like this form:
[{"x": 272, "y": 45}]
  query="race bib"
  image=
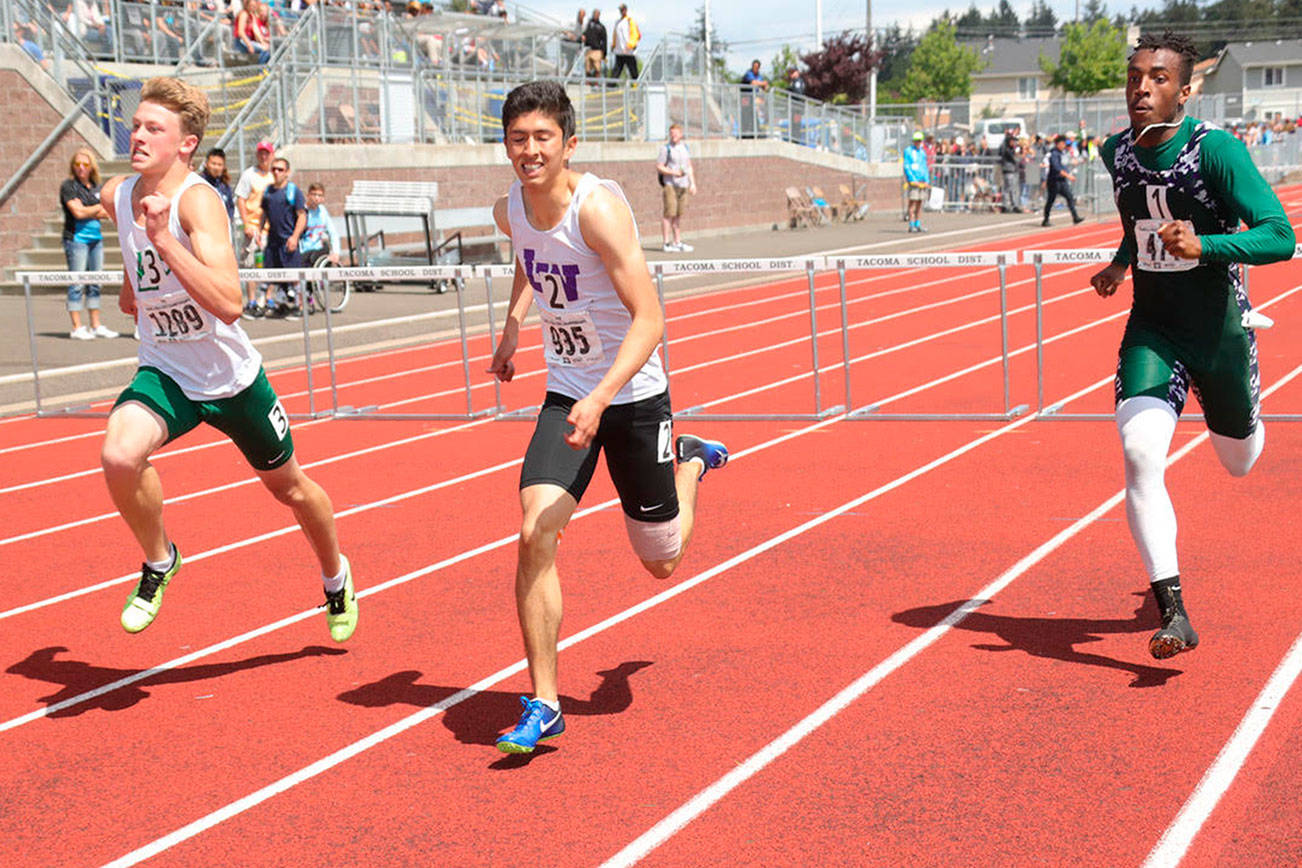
[
  {"x": 570, "y": 338},
  {"x": 1153, "y": 256},
  {"x": 180, "y": 319}
]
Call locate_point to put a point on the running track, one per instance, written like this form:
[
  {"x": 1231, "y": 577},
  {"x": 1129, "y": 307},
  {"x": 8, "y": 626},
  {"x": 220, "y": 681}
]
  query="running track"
[{"x": 892, "y": 642}]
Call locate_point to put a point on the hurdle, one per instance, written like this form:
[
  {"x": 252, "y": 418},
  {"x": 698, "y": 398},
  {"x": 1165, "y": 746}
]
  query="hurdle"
[
  {"x": 115, "y": 278},
  {"x": 459, "y": 274},
  {"x": 1102, "y": 256},
  {"x": 1000, "y": 260},
  {"x": 810, "y": 265}
]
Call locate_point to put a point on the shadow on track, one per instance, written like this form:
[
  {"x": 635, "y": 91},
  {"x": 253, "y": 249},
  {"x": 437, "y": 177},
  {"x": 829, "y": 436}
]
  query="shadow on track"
[
  {"x": 478, "y": 719},
  {"x": 78, "y": 677},
  {"x": 1055, "y": 638}
]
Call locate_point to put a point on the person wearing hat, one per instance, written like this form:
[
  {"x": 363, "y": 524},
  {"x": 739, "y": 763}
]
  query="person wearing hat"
[
  {"x": 917, "y": 181},
  {"x": 253, "y": 182}
]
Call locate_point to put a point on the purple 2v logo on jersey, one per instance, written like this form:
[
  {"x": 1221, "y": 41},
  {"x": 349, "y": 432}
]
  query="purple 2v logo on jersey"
[{"x": 551, "y": 280}]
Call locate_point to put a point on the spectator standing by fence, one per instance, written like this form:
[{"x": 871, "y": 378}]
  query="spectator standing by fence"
[
  {"x": 627, "y": 36},
  {"x": 215, "y": 173},
  {"x": 83, "y": 242},
  {"x": 248, "y": 200},
  {"x": 284, "y": 217},
  {"x": 1010, "y": 160},
  {"x": 677, "y": 182},
  {"x": 594, "y": 42},
  {"x": 1059, "y": 179},
  {"x": 917, "y": 181}
]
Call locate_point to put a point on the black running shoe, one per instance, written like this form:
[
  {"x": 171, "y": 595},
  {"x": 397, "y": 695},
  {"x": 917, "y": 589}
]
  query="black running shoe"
[{"x": 1176, "y": 635}]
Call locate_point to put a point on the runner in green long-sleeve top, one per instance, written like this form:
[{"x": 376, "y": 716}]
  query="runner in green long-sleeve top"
[{"x": 1182, "y": 187}]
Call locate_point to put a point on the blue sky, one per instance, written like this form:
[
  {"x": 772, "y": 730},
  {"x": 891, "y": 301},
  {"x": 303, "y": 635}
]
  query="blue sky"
[{"x": 758, "y": 28}]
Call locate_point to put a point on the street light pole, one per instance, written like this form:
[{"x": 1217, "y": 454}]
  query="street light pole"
[{"x": 709, "y": 58}]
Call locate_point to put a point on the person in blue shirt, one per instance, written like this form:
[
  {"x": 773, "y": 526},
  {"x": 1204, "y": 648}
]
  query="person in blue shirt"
[
  {"x": 319, "y": 235},
  {"x": 1058, "y": 180},
  {"x": 284, "y": 217},
  {"x": 917, "y": 180}
]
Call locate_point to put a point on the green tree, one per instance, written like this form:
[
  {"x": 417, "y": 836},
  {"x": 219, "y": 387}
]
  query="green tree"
[
  {"x": 1095, "y": 10},
  {"x": 718, "y": 48},
  {"x": 1041, "y": 21},
  {"x": 1093, "y": 58},
  {"x": 1003, "y": 20},
  {"x": 785, "y": 59},
  {"x": 940, "y": 69},
  {"x": 971, "y": 20}
]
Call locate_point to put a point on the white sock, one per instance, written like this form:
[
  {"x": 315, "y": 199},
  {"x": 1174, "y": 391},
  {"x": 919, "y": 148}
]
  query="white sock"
[
  {"x": 336, "y": 583},
  {"x": 1147, "y": 426},
  {"x": 164, "y": 565},
  {"x": 553, "y": 704}
]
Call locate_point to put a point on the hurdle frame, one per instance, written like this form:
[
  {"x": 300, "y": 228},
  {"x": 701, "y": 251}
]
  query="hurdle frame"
[
  {"x": 1062, "y": 256},
  {"x": 811, "y": 266},
  {"x": 999, "y": 259},
  {"x": 401, "y": 274}
]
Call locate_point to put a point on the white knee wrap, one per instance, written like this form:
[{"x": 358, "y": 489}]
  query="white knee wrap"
[{"x": 654, "y": 540}]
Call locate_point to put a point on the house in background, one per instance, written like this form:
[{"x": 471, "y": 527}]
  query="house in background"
[{"x": 1258, "y": 80}]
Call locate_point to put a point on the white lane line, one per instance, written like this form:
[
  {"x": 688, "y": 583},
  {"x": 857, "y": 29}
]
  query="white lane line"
[
  {"x": 1178, "y": 837},
  {"x": 328, "y": 762},
  {"x": 662, "y": 831}
]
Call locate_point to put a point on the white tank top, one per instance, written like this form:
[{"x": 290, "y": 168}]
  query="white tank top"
[
  {"x": 583, "y": 319},
  {"x": 206, "y": 357}
]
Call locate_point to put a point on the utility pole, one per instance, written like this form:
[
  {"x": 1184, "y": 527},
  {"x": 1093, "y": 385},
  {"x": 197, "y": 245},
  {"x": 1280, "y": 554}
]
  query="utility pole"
[
  {"x": 872, "y": 75},
  {"x": 709, "y": 58},
  {"x": 818, "y": 24}
]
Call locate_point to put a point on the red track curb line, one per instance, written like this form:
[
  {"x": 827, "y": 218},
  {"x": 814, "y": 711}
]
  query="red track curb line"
[{"x": 642, "y": 846}]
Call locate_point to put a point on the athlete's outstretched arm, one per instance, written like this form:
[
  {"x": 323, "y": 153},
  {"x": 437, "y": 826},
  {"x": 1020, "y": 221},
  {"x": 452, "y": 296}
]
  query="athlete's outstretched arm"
[
  {"x": 521, "y": 298},
  {"x": 1230, "y": 173},
  {"x": 209, "y": 274},
  {"x": 607, "y": 226}
]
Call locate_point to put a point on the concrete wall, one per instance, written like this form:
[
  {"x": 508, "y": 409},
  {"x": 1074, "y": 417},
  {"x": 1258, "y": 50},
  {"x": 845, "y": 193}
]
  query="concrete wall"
[
  {"x": 34, "y": 105},
  {"x": 741, "y": 183}
]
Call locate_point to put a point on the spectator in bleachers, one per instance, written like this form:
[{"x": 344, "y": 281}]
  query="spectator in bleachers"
[
  {"x": 169, "y": 30},
  {"x": 284, "y": 217},
  {"x": 755, "y": 77},
  {"x": 499, "y": 10},
  {"x": 594, "y": 43},
  {"x": 89, "y": 24},
  {"x": 83, "y": 241},
  {"x": 627, "y": 37},
  {"x": 319, "y": 235},
  {"x": 26, "y": 35},
  {"x": 251, "y": 34},
  {"x": 253, "y": 182}
]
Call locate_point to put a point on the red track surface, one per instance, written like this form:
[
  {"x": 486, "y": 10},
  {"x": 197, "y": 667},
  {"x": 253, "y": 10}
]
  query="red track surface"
[{"x": 1036, "y": 731}]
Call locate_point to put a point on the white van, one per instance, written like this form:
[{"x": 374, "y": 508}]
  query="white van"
[{"x": 993, "y": 128}]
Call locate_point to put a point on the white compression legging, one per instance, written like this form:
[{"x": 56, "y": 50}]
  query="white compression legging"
[{"x": 1147, "y": 425}]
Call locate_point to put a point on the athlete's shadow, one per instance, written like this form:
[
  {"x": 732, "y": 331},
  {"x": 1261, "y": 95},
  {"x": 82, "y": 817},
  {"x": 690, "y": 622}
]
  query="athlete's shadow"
[
  {"x": 478, "y": 717},
  {"x": 1053, "y": 637},
  {"x": 78, "y": 677}
]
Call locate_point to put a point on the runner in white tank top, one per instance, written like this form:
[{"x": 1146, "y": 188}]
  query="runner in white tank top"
[
  {"x": 584, "y": 319},
  {"x": 196, "y": 364},
  {"x": 578, "y": 256},
  {"x": 206, "y": 357}
]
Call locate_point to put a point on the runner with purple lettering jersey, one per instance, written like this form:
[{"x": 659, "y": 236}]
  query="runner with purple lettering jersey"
[{"x": 579, "y": 259}]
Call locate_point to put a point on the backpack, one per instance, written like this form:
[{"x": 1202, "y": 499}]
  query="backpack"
[{"x": 665, "y": 162}]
